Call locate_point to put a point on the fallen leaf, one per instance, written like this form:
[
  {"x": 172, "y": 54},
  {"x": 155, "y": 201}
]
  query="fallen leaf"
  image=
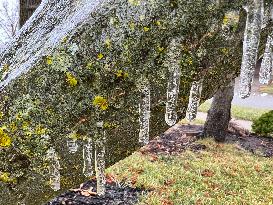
[{"x": 207, "y": 173}]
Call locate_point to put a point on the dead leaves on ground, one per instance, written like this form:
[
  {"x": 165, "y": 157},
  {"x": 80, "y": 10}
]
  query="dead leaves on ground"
[
  {"x": 85, "y": 192},
  {"x": 207, "y": 173}
]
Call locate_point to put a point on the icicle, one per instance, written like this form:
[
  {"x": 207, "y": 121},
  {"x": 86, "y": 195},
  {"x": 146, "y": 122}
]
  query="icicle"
[
  {"x": 100, "y": 159},
  {"x": 195, "y": 95},
  {"x": 87, "y": 159},
  {"x": 72, "y": 145},
  {"x": 144, "y": 113},
  {"x": 267, "y": 63},
  {"x": 54, "y": 169},
  {"x": 251, "y": 45},
  {"x": 173, "y": 83}
]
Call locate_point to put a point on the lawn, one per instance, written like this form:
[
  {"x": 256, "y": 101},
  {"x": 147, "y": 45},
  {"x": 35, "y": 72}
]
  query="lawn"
[
  {"x": 267, "y": 89},
  {"x": 238, "y": 112},
  {"x": 221, "y": 174}
]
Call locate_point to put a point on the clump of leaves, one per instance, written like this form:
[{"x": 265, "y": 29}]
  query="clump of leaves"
[
  {"x": 5, "y": 140},
  {"x": 264, "y": 124}
]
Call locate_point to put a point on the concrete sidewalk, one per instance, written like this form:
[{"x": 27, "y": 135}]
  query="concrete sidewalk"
[{"x": 242, "y": 123}]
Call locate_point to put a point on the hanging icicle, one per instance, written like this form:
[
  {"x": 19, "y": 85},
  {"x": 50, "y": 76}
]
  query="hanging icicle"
[
  {"x": 144, "y": 112},
  {"x": 54, "y": 169},
  {"x": 87, "y": 158},
  {"x": 100, "y": 159},
  {"x": 72, "y": 145},
  {"x": 195, "y": 95},
  {"x": 173, "y": 83},
  {"x": 251, "y": 45},
  {"x": 267, "y": 63}
]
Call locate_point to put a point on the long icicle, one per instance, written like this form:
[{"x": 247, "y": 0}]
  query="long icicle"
[
  {"x": 72, "y": 145},
  {"x": 100, "y": 159},
  {"x": 87, "y": 158},
  {"x": 54, "y": 169},
  {"x": 267, "y": 63},
  {"x": 173, "y": 83},
  {"x": 251, "y": 45},
  {"x": 71, "y": 142},
  {"x": 144, "y": 113},
  {"x": 195, "y": 95}
]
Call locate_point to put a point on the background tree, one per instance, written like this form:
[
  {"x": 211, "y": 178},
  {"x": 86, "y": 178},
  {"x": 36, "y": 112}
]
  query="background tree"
[
  {"x": 9, "y": 20},
  {"x": 26, "y": 9}
]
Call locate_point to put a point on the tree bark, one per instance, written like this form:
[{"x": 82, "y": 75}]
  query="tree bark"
[
  {"x": 219, "y": 113},
  {"x": 27, "y": 8}
]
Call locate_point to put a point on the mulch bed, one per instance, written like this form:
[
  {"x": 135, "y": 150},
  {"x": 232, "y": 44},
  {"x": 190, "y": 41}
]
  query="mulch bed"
[
  {"x": 175, "y": 140},
  {"x": 116, "y": 194},
  {"x": 181, "y": 137}
]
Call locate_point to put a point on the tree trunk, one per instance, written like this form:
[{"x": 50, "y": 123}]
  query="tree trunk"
[
  {"x": 219, "y": 113},
  {"x": 27, "y": 7}
]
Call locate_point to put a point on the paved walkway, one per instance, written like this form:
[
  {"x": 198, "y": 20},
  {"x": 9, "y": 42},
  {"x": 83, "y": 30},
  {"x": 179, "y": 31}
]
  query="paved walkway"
[
  {"x": 242, "y": 123},
  {"x": 257, "y": 99}
]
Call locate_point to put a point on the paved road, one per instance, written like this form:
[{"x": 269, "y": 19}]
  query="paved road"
[{"x": 256, "y": 99}]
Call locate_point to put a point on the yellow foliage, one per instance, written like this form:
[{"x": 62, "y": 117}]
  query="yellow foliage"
[
  {"x": 49, "y": 60},
  {"x": 121, "y": 74},
  {"x": 100, "y": 102},
  {"x": 108, "y": 43},
  {"x": 5, "y": 140},
  {"x": 100, "y": 56},
  {"x": 146, "y": 29},
  {"x": 134, "y": 2},
  {"x": 71, "y": 80},
  {"x": 39, "y": 130}
]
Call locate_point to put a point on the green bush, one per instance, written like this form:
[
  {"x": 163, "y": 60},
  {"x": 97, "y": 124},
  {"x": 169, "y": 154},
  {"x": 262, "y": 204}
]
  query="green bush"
[{"x": 264, "y": 124}]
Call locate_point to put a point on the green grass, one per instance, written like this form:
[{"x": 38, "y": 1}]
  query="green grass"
[
  {"x": 267, "y": 89},
  {"x": 238, "y": 112},
  {"x": 221, "y": 174}
]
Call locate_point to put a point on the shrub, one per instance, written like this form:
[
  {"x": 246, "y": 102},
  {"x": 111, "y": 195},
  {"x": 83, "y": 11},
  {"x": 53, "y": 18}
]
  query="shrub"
[{"x": 264, "y": 124}]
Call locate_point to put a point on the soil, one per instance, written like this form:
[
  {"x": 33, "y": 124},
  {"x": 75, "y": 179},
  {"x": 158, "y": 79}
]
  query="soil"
[
  {"x": 175, "y": 140},
  {"x": 116, "y": 194},
  {"x": 181, "y": 137}
]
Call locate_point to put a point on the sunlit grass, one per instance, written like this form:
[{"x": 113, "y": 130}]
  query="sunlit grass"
[
  {"x": 267, "y": 89},
  {"x": 238, "y": 112},
  {"x": 221, "y": 174}
]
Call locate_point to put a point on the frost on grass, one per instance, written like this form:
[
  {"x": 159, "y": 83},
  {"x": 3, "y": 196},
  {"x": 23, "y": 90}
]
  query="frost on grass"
[{"x": 251, "y": 45}]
